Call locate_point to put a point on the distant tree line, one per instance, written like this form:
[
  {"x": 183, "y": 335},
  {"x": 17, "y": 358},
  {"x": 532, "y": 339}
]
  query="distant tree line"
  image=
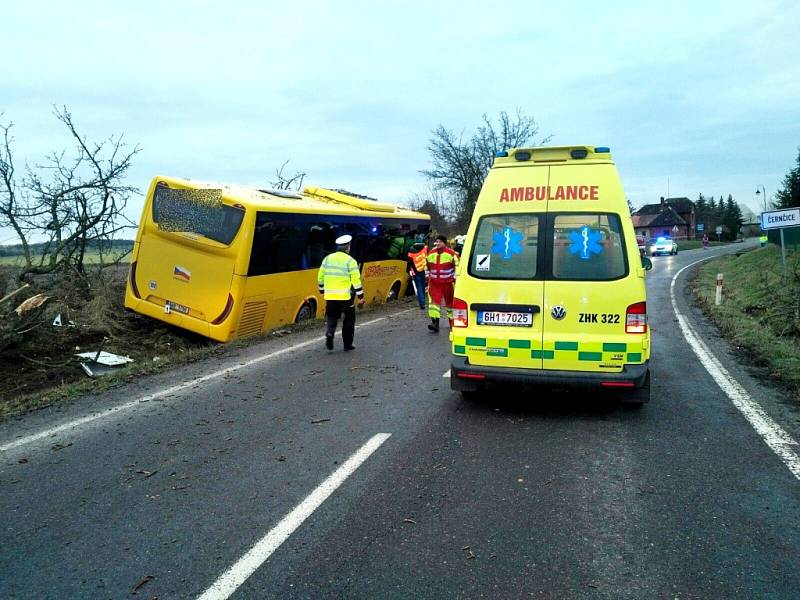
[
  {"x": 722, "y": 212},
  {"x": 105, "y": 246}
]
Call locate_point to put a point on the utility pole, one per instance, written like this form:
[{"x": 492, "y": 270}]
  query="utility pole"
[{"x": 758, "y": 192}]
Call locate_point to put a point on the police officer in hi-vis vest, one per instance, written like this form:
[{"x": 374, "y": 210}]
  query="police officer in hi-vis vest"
[{"x": 339, "y": 282}]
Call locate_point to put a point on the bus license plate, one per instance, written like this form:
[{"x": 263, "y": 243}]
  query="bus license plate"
[
  {"x": 513, "y": 319},
  {"x": 180, "y": 308}
]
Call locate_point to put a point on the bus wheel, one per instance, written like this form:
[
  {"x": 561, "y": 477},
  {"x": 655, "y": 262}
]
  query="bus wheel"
[
  {"x": 394, "y": 292},
  {"x": 306, "y": 312}
]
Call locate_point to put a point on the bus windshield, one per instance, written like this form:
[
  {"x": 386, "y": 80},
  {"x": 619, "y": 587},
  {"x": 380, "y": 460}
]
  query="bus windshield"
[{"x": 197, "y": 211}]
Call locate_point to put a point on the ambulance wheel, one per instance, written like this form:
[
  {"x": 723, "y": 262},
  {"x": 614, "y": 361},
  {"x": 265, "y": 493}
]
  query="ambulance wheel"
[
  {"x": 394, "y": 292},
  {"x": 306, "y": 312},
  {"x": 639, "y": 396}
]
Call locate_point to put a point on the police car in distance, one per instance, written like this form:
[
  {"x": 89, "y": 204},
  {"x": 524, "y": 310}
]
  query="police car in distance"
[{"x": 663, "y": 245}]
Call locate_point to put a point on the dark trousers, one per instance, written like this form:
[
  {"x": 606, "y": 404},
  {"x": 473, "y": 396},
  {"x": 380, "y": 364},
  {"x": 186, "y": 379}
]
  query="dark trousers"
[
  {"x": 419, "y": 280},
  {"x": 333, "y": 310}
]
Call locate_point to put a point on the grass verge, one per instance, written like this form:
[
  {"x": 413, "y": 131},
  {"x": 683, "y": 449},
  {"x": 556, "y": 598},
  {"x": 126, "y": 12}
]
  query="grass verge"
[{"x": 760, "y": 311}]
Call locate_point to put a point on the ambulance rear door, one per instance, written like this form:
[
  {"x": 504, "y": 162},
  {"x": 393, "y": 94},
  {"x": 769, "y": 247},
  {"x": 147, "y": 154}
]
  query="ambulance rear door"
[
  {"x": 505, "y": 270},
  {"x": 589, "y": 279}
]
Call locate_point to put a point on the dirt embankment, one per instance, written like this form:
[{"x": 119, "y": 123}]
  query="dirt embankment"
[{"x": 37, "y": 358}]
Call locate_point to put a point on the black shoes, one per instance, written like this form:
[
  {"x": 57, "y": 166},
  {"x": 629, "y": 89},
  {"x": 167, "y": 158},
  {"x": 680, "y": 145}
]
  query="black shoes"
[
  {"x": 348, "y": 348},
  {"x": 329, "y": 342},
  {"x": 434, "y": 326}
]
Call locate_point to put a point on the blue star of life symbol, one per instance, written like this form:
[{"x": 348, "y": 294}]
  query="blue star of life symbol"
[
  {"x": 507, "y": 243},
  {"x": 585, "y": 242}
]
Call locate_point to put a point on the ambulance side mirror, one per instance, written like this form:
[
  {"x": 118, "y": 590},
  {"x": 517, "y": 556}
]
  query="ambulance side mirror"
[{"x": 647, "y": 264}]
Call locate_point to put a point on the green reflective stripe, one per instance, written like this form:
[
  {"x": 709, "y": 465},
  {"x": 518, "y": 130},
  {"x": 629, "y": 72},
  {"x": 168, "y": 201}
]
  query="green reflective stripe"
[
  {"x": 634, "y": 357},
  {"x": 548, "y": 354},
  {"x": 519, "y": 344},
  {"x": 615, "y": 347},
  {"x": 590, "y": 356},
  {"x": 497, "y": 352},
  {"x": 566, "y": 345},
  {"x": 471, "y": 341},
  {"x": 459, "y": 350}
]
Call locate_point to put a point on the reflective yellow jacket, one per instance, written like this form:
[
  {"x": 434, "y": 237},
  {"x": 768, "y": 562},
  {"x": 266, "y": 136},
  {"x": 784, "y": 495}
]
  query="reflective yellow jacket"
[{"x": 337, "y": 275}]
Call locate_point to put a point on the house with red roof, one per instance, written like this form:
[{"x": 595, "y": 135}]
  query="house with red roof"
[{"x": 671, "y": 217}]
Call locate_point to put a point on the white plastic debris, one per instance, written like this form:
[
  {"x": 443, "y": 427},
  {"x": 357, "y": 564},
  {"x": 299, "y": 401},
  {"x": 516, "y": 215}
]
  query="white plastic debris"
[{"x": 106, "y": 358}]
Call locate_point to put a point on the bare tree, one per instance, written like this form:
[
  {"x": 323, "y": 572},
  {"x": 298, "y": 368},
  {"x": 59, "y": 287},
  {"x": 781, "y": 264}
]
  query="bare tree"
[
  {"x": 433, "y": 203},
  {"x": 459, "y": 166},
  {"x": 67, "y": 204},
  {"x": 284, "y": 182}
]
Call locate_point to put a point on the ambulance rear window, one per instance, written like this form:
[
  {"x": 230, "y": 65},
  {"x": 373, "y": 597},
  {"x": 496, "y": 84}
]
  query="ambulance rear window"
[
  {"x": 506, "y": 247},
  {"x": 588, "y": 247}
]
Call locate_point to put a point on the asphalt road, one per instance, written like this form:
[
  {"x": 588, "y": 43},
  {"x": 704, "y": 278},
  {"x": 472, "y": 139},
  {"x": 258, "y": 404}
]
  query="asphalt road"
[{"x": 546, "y": 494}]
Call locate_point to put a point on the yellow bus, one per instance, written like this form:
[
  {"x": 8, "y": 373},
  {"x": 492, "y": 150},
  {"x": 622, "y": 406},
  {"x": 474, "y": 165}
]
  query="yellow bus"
[{"x": 231, "y": 261}]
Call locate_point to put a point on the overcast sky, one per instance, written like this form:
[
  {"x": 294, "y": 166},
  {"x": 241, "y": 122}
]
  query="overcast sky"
[{"x": 691, "y": 97}]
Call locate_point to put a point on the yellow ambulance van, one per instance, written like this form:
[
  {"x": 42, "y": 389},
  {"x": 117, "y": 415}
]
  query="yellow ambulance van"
[{"x": 551, "y": 287}]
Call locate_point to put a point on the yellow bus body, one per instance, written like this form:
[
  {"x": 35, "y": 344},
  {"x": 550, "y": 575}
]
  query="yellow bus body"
[{"x": 232, "y": 261}]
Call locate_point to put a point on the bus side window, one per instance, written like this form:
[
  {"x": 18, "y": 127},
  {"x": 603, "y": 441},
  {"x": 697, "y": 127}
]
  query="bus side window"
[
  {"x": 260, "y": 255},
  {"x": 315, "y": 245}
]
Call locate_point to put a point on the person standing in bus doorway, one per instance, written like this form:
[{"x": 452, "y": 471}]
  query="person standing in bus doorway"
[
  {"x": 417, "y": 259},
  {"x": 339, "y": 282},
  {"x": 442, "y": 263}
]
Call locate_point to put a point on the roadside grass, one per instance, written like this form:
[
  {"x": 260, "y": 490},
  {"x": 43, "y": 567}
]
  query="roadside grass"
[
  {"x": 694, "y": 244},
  {"x": 760, "y": 311}
]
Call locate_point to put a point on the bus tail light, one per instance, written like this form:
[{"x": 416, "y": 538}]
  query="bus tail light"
[
  {"x": 460, "y": 313},
  {"x": 636, "y": 318},
  {"x": 132, "y": 275},
  {"x": 225, "y": 312}
]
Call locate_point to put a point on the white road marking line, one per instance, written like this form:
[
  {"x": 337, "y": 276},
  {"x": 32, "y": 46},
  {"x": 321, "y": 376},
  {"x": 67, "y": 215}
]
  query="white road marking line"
[
  {"x": 171, "y": 390},
  {"x": 237, "y": 574},
  {"x": 773, "y": 434},
  {"x": 447, "y": 374}
]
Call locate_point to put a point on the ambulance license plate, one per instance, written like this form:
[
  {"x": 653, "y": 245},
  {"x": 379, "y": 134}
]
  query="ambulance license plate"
[{"x": 513, "y": 319}]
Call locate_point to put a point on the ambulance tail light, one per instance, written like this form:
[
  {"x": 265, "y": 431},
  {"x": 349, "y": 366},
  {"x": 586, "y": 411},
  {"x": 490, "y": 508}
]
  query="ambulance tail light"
[
  {"x": 636, "y": 318},
  {"x": 617, "y": 384},
  {"x": 460, "y": 313},
  {"x": 475, "y": 376}
]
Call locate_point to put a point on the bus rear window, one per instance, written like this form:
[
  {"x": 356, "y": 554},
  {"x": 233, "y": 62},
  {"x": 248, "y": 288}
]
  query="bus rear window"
[{"x": 196, "y": 211}]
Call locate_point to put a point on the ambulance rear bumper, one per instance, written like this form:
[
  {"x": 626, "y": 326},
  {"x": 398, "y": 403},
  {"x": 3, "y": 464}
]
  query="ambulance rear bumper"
[{"x": 467, "y": 377}]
